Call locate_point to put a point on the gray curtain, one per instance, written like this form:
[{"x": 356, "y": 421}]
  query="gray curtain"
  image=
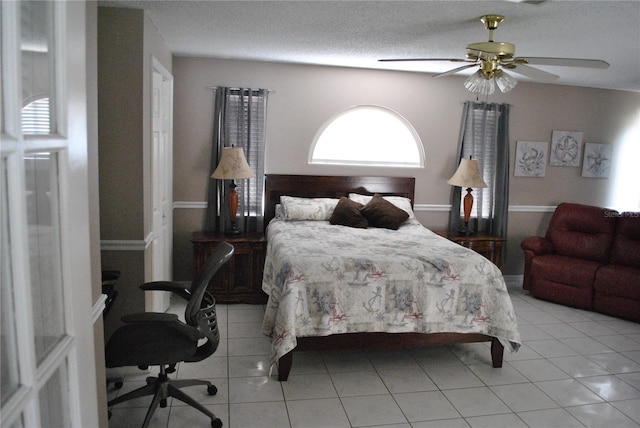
[
  {"x": 484, "y": 135},
  {"x": 239, "y": 120}
]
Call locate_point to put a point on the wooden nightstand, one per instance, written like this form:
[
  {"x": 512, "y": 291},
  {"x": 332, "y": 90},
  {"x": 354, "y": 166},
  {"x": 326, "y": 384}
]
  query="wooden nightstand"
[
  {"x": 240, "y": 280},
  {"x": 488, "y": 246}
]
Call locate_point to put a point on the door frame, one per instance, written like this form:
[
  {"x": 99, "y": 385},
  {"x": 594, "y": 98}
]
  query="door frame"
[{"x": 159, "y": 264}]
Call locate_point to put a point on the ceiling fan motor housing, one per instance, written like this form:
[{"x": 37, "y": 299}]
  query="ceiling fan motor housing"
[
  {"x": 491, "y": 53},
  {"x": 501, "y": 50}
]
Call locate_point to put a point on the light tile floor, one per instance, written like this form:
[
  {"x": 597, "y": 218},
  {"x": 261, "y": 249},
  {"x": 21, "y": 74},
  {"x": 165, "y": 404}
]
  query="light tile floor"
[{"x": 575, "y": 369}]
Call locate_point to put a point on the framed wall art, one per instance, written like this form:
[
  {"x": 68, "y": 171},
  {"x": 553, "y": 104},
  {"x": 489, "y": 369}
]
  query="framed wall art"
[
  {"x": 531, "y": 159},
  {"x": 566, "y": 148},
  {"x": 597, "y": 160}
]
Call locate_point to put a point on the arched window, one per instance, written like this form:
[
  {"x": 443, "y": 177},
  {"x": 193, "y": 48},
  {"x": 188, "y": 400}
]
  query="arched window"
[{"x": 368, "y": 135}]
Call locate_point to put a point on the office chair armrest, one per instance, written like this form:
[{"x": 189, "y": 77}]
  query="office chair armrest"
[
  {"x": 149, "y": 317},
  {"x": 174, "y": 287}
]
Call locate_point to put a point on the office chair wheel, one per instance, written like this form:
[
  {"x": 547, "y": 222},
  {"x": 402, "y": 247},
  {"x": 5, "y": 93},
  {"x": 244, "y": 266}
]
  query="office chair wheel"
[
  {"x": 216, "y": 423},
  {"x": 163, "y": 403},
  {"x": 212, "y": 390},
  {"x": 118, "y": 384}
]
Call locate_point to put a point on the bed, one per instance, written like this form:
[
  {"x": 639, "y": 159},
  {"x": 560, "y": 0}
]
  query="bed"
[{"x": 339, "y": 287}]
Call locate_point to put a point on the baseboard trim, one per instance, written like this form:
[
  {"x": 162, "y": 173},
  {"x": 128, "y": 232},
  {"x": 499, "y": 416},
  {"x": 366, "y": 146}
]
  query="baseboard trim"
[{"x": 513, "y": 281}]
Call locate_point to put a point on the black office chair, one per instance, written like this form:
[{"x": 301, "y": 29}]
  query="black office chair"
[{"x": 161, "y": 339}]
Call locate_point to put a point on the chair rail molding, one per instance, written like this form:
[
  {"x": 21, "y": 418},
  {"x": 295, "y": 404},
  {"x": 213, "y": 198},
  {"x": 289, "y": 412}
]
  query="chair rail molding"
[
  {"x": 190, "y": 205},
  {"x": 416, "y": 207},
  {"x": 98, "y": 307},
  {"x": 532, "y": 208},
  {"x": 126, "y": 244}
]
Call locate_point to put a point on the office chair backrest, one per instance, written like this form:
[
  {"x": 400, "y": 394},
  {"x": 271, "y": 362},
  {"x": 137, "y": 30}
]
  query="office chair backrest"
[{"x": 217, "y": 258}]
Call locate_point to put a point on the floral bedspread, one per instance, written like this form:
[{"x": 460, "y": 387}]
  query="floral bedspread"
[{"x": 323, "y": 279}]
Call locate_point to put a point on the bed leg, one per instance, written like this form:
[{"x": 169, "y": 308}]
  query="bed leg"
[
  {"x": 284, "y": 366},
  {"x": 497, "y": 351}
]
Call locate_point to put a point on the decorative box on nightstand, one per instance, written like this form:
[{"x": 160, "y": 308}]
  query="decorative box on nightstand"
[
  {"x": 240, "y": 280},
  {"x": 488, "y": 246}
]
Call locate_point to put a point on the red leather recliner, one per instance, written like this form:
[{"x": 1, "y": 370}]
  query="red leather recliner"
[
  {"x": 617, "y": 285},
  {"x": 589, "y": 259}
]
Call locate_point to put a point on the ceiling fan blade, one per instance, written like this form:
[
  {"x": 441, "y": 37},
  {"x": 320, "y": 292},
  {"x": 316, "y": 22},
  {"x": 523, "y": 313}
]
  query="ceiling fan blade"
[
  {"x": 455, "y": 70},
  {"x": 424, "y": 59},
  {"x": 533, "y": 73},
  {"x": 534, "y": 2},
  {"x": 566, "y": 62}
]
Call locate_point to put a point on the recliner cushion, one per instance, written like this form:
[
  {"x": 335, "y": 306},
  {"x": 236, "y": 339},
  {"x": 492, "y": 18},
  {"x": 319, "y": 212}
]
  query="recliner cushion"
[
  {"x": 563, "y": 280},
  {"x": 618, "y": 280},
  {"x": 617, "y": 306},
  {"x": 565, "y": 270},
  {"x": 582, "y": 232},
  {"x": 626, "y": 244}
]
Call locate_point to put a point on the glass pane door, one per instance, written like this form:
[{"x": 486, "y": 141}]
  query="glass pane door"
[
  {"x": 37, "y": 52},
  {"x": 47, "y": 351},
  {"x": 9, "y": 369},
  {"x": 41, "y": 178}
]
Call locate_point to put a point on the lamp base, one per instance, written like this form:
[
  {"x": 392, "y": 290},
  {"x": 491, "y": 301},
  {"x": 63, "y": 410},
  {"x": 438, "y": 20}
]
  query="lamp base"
[
  {"x": 233, "y": 231},
  {"x": 466, "y": 231}
]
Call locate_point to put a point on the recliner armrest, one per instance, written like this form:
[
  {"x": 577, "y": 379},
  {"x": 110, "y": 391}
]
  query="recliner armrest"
[
  {"x": 538, "y": 245},
  {"x": 173, "y": 287}
]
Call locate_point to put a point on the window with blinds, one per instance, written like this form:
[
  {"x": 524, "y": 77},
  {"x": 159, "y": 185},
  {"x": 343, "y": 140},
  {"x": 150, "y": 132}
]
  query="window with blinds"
[
  {"x": 36, "y": 118},
  {"x": 245, "y": 127},
  {"x": 479, "y": 142}
]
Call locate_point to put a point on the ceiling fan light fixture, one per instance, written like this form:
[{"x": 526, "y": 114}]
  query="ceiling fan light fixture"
[
  {"x": 505, "y": 81},
  {"x": 477, "y": 82}
]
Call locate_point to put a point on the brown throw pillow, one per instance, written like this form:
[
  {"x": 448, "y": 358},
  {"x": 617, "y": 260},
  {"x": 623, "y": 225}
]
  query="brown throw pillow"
[
  {"x": 382, "y": 213},
  {"x": 347, "y": 213}
]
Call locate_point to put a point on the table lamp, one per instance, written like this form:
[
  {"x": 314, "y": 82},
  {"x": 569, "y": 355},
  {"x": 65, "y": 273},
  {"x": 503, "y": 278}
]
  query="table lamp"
[
  {"x": 467, "y": 175},
  {"x": 233, "y": 166}
]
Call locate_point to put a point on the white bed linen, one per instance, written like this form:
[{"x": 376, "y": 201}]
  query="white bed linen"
[{"x": 324, "y": 279}]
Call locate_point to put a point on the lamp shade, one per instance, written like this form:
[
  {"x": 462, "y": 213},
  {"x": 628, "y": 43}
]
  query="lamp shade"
[
  {"x": 233, "y": 165},
  {"x": 468, "y": 175}
]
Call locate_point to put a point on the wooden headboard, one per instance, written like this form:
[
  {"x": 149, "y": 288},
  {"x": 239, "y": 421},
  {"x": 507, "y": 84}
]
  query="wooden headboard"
[{"x": 330, "y": 186}]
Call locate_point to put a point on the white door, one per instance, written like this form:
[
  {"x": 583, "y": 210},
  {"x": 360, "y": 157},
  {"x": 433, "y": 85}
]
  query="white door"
[
  {"x": 47, "y": 359},
  {"x": 161, "y": 185}
]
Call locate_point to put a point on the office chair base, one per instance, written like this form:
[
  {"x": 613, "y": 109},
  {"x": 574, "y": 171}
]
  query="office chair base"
[{"x": 161, "y": 388}]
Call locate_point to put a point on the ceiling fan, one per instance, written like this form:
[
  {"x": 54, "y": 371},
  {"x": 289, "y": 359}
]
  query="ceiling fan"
[{"x": 493, "y": 58}]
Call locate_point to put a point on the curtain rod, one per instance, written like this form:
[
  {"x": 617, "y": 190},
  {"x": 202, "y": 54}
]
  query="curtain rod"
[{"x": 215, "y": 87}]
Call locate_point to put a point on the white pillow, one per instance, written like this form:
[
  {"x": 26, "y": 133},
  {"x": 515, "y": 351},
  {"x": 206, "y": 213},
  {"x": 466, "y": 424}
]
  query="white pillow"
[
  {"x": 307, "y": 208},
  {"x": 279, "y": 212},
  {"x": 399, "y": 201}
]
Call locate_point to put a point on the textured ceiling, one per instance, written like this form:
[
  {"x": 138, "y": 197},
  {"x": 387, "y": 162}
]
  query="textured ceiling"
[{"x": 358, "y": 33}]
